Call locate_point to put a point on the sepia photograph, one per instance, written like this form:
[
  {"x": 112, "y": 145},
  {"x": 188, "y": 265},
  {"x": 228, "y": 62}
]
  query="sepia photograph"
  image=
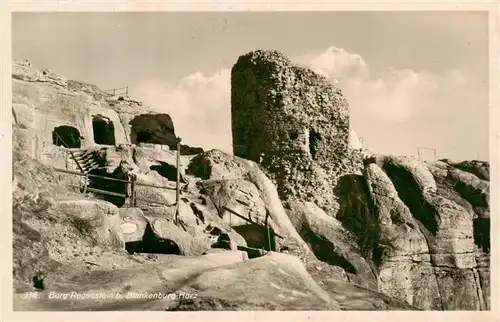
[{"x": 251, "y": 161}]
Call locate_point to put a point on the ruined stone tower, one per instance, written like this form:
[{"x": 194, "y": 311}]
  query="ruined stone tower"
[{"x": 292, "y": 121}]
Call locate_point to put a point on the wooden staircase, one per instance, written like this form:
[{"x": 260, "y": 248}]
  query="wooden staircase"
[{"x": 86, "y": 160}]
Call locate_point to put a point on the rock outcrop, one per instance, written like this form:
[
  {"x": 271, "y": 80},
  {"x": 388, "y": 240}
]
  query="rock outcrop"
[
  {"x": 229, "y": 179},
  {"x": 51, "y": 111},
  {"x": 426, "y": 250},
  {"x": 331, "y": 242},
  {"x": 421, "y": 229},
  {"x": 297, "y": 220}
]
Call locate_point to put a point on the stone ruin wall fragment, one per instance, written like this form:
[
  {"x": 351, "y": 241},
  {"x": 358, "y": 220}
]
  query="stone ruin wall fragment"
[{"x": 293, "y": 122}]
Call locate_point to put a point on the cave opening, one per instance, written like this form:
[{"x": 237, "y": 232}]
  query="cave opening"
[
  {"x": 150, "y": 244},
  {"x": 314, "y": 139},
  {"x": 104, "y": 130},
  {"x": 38, "y": 282},
  {"x": 482, "y": 233},
  {"x": 66, "y": 136},
  {"x": 158, "y": 129},
  {"x": 153, "y": 128},
  {"x": 257, "y": 236}
]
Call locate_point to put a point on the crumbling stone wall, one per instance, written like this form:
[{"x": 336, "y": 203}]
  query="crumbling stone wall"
[{"x": 293, "y": 122}]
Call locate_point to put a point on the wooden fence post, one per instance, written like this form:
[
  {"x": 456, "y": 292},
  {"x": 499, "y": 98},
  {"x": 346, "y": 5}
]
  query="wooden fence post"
[
  {"x": 269, "y": 238},
  {"x": 268, "y": 232},
  {"x": 132, "y": 191},
  {"x": 177, "y": 186},
  {"x": 86, "y": 178}
]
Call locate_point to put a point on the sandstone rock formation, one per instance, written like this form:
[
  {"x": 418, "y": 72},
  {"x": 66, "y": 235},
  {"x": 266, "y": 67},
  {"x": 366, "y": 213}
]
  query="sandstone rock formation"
[
  {"x": 48, "y": 110},
  {"x": 326, "y": 227},
  {"x": 422, "y": 228},
  {"x": 331, "y": 242}
]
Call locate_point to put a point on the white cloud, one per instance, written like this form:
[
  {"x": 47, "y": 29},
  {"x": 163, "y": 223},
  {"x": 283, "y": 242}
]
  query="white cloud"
[
  {"x": 394, "y": 112},
  {"x": 338, "y": 64},
  {"x": 199, "y": 106},
  {"x": 396, "y": 96},
  {"x": 403, "y": 109}
]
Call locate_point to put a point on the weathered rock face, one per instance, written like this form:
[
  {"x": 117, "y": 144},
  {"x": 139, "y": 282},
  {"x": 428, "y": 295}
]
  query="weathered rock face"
[
  {"x": 479, "y": 168},
  {"x": 228, "y": 179},
  {"x": 217, "y": 281},
  {"x": 402, "y": 253},
  {"x": 52, "y": 112},
  {"x": 47, "y": 108},
  {"x": 426, "y": 251},
  {"x": 423, "y": 229},
  {"x": 331, "y": 242},
  {"x": 292, "y": 121},
  {"x": 52, "y": 226},
  {"x": 240, "y": 196}
]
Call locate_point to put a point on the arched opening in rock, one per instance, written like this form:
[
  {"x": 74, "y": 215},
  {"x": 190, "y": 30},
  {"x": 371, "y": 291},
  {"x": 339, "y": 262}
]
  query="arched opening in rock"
[
  {"x": 257, "y": 236},
  {"x": 66, "y": 136},
  {"x": 199, "y": 167},
  {"x": 104, "y": 130},
  {"x": 314, "y": 138},
  {"x": 152, "y": 245},
  {"x": 153, "y": 128},
  {"x": 158, "y": 129}
]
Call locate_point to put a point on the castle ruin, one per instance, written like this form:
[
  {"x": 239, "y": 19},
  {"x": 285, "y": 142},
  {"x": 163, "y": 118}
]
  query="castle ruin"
[{"x": 292, "y": 121}]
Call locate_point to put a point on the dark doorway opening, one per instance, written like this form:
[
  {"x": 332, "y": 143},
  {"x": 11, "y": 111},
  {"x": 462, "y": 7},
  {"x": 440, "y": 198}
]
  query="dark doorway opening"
[
  {"x": 104, "y": 130},
  {"x": 257, "y": 236},
  {"x": 314, "y": 138},
  {"x": 66, "y": 136},
  {"x": 151, "y": 244}
]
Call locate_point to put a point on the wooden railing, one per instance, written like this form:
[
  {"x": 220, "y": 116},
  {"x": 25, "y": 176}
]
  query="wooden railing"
[
  {"x": 131, "y": 182},
  {"x": 117, "y": 91}
]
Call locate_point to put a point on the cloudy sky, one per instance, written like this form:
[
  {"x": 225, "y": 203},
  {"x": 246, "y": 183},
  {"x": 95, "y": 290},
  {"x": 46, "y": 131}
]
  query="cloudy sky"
[{"x": 412, "y": 79}]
